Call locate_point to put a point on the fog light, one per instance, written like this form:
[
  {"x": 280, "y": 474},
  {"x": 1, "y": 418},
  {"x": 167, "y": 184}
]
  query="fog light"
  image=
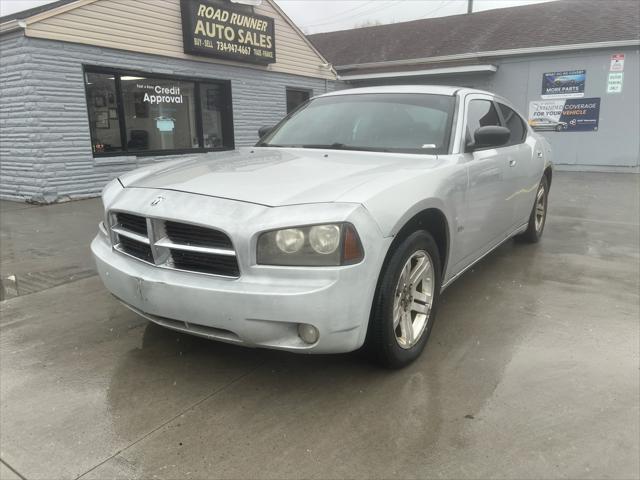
[{"x": 308, "y": 333}]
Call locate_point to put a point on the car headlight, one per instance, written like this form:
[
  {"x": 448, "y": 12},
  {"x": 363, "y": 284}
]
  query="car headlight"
[
  {"x": 109, "y": 193},
  {"x": 311, "y": 246}
]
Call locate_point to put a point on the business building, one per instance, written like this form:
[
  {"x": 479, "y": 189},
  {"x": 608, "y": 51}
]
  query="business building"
[
  {"x": 570, "y": 66},
  {"x": 93, "y": 88}
]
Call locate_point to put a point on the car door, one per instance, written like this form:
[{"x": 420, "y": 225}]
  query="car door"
[
  {"x": 489, "y": 210},
  {"x": 522, "y": 166}
]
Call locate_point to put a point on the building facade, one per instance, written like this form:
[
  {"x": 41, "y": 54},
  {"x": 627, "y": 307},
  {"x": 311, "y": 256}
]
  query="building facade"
[
  {"x": 93, "y": 88},
  {"x": 580, "y": 88}
]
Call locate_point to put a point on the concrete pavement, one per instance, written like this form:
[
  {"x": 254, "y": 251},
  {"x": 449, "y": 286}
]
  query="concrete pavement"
[{"x": 532, "y": 369}]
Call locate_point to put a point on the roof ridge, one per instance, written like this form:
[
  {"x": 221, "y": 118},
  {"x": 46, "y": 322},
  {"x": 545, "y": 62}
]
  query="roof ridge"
[{"x": 538, "y": 25}]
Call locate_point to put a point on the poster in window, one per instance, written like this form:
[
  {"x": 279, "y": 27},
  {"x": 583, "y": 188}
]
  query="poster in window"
[
  {"x": 567, "y": 84},
  {"x": 99, "y": 101},
  {"x": 141, "y": 107},
  {"x": 102, "y": 120}
]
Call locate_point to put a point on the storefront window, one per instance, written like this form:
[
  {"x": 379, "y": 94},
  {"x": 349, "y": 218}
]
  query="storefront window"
[
  {"x": 295, "y": 98},
  {"x": 103, "y": 113},
  {"x": 135, "y": 113},
  {"x": 159, "y": 114},
  {"x": 213, "y": 102}
]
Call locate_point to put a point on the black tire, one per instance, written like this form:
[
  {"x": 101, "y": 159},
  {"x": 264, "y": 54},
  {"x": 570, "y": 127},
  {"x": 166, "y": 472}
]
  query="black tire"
[
  {"x": 381, "y": 343},
  {"x": 533, "y": 234}
]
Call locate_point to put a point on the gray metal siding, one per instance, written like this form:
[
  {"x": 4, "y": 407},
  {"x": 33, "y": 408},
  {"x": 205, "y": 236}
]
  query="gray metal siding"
[
  {"x": 46, "y": 146},
  {"x": 614, "y": 147}
]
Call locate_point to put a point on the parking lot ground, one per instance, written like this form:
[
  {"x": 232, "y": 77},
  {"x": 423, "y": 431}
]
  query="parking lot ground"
[{"x": 532, "y": 369}]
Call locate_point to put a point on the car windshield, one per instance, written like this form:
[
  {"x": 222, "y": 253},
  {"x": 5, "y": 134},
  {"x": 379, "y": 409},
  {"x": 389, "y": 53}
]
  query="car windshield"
[{"x": 406, "y": 123}]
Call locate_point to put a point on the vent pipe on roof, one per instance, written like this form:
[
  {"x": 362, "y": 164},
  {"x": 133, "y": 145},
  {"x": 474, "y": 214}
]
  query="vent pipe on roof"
[{"x": 470, "y": 6}]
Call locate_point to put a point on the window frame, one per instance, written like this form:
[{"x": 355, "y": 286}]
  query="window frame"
[
  {"x": 227, "y": 120},
  {"x": 503, "y": 120},
  {"x": 308, "y": 91},
  {"x": 468, "y": 101}
]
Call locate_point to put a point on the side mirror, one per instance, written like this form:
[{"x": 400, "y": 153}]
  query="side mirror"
[
  {"x": 265, "y": 130},
  {"x": 489, "y": 136}
]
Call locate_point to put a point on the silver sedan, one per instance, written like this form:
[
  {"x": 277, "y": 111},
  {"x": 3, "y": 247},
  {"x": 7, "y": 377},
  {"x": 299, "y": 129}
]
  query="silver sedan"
[{"x": 337, "y": 231}]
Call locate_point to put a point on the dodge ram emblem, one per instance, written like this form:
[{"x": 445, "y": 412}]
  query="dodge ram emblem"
[{"x": 157, "y": 200}]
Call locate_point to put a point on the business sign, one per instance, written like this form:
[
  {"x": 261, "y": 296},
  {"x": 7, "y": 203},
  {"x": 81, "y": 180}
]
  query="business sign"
[
  {"x": 565, "y": 115},
  {"x": 614, "y": 82},
  {"x": 566, "y": 84},
  {"x": 219, "y": 29},
  {"x": 617, "y": 62}
]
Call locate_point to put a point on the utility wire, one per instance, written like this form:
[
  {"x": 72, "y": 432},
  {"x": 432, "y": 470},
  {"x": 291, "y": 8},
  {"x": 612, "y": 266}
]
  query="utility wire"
[
  {"x": 359, "y": 14},
  {"x": 333, "y": 15}
]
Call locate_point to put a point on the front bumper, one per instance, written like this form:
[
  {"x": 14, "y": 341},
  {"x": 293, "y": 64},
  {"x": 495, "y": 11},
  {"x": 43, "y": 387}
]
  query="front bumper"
[{"x": 263, "y": 307}]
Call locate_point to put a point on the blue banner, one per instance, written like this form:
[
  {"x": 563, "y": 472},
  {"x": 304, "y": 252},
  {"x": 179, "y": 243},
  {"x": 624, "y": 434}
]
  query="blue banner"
[{"x": 581, "y": 114}]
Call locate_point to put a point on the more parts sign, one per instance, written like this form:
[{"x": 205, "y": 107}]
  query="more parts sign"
[
  {"x": 219, "y": 29},
  {"x": 565, "y": 115},
  {"x": 569, "y": 83}
]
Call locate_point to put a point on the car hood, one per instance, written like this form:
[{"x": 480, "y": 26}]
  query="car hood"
[{"x": 276, "y": 176}]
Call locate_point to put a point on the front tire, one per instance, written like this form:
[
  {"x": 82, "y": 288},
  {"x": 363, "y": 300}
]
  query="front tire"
[
  {"x": 538, "y": 217},
  {"x": 406, "y": 299}
]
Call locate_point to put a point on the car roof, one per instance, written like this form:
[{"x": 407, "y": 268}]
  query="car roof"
[{"x": 424, "y": 89}]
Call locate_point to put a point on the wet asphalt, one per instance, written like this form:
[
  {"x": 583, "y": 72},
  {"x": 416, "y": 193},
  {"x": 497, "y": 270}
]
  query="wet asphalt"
[{"x": 532, "y": 369}]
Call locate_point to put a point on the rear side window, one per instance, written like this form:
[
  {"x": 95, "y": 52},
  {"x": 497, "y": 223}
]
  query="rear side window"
[
  {"x": 514, "y": 123},
  {"x": 481, "y": 113}
]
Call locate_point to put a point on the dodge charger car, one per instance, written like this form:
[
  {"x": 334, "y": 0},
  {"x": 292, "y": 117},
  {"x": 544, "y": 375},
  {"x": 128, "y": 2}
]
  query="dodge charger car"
[{"x": 337, "y": 231}]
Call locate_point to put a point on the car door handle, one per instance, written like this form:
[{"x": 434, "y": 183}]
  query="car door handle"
[
  {"x": 512, "y": 162},
  {"x": 539, "y": 154}
]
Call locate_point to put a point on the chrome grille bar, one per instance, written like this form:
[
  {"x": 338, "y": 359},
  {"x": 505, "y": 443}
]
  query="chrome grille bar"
[
  {"x": 174, "y": 245},
  {"x": 132, "y": 235},
  {"x": 165, "y": 242}
]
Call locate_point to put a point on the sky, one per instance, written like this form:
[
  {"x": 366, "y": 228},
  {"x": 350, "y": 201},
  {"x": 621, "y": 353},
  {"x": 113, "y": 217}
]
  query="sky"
[{"x": 314, "y": 16}]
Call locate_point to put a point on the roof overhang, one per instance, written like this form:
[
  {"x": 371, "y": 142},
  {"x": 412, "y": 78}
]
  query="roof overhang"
[
  {"x": 12, "y": 26},
  {"x": 491, "y": 54},
  {"x": 423, "y": 73}
]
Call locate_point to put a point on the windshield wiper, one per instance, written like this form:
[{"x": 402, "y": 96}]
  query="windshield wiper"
[{"x": 342, "y": 146}]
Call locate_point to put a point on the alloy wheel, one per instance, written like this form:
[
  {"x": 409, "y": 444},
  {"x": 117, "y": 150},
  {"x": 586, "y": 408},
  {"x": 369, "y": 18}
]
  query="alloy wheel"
[
  {"x": 413, "y": 298},
  {"x": 541, "y": 209}
]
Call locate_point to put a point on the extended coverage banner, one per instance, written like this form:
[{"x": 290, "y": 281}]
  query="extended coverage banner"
[
  {"x": 569, "y": 83},
  {"x": 220, "y": 30},
  {"x": 565, "y": 115}
]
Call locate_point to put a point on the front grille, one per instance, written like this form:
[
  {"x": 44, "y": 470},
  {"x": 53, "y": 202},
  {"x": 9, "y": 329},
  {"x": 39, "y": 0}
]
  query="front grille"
[
  {"x": 187, "y": 234},
  {"x": 174, "y": 245},
  {"x": 135, "y": 248},
  {"x": 133, "y": 223},
  {"x": 205, "y": 263}
]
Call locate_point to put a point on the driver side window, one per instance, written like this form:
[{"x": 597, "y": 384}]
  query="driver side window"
[{"x": 480, "y": 113}]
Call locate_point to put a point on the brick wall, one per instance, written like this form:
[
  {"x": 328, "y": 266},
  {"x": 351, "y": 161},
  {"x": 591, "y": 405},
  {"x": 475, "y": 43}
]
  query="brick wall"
[{"x": 45, "y": 149}]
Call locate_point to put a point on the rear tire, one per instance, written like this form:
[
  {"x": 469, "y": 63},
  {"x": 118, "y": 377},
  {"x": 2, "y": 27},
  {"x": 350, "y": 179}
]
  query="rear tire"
[
  {"x": 538, "y": 217},
  {"x": 406, "y": 300}
]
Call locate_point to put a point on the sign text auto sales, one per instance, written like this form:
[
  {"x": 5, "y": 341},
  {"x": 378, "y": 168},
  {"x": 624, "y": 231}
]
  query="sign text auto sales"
[{"x": 219, "y": 30}]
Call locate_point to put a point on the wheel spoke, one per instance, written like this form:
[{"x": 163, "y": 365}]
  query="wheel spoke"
[
  {"x": 419, "y": 307},
  {"x": 421, "y": 296},
  {"x": 397, "y": 313},
  {"x": 419, "y": 270},
  {"x": 404, "y": 276},
  {"x": 407, "y": 328}
]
